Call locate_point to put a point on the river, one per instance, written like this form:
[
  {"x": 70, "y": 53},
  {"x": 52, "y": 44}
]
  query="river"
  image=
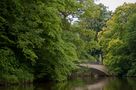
[{"x": 86, "y": 83}]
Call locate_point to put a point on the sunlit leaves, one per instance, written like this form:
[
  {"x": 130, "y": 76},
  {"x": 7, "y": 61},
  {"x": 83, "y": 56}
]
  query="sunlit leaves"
[{"x": 118, "y": 41}]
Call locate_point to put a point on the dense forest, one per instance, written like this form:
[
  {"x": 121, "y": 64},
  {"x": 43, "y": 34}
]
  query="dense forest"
[
  {"x": 45, "y": 39},
  {"x": 118, "y": 41}
]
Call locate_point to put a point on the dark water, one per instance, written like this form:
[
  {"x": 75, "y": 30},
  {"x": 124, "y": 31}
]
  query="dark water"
[{"x": 82, "y": 84}]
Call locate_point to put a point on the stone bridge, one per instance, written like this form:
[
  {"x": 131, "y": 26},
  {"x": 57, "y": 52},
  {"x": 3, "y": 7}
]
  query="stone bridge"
[{"x": 99, "y": 69}]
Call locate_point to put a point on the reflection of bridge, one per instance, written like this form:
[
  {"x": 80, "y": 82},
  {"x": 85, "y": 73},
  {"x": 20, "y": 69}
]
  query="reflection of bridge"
[
  {"x": 95, "y": 86},
  {"x": 96, "y": 68}
]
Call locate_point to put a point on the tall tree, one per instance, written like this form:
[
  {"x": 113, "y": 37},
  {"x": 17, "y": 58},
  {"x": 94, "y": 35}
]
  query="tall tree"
[{"x": 116, "y": 38}]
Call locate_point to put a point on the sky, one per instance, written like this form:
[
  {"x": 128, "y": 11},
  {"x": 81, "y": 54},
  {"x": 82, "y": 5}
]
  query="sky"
[{"x": 113, "y": 4}]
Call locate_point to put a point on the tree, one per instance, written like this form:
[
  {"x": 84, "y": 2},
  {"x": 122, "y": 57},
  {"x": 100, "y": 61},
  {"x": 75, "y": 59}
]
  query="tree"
[
  {"x": 115, "y": 40},
  {"x": 56, "y": 57},
  {"x": 19, "y": 36}
]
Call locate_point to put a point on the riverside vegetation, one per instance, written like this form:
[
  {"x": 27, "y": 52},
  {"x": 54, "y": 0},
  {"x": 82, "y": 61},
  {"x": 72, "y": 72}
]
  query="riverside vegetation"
[{"x": 40, "y": 41}]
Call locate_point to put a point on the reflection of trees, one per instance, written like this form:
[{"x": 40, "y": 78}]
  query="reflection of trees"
[
  {"x": 61, "y": 86},
  {"x": 82, "y": 84},
  {"x": 18, "y": 87},
  {"x": 118, "y": 84},
  {"x": 132, "y": 83}
]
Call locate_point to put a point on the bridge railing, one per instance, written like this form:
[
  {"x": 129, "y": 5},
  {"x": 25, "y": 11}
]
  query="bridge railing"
[{"x": 98, "y": 63}]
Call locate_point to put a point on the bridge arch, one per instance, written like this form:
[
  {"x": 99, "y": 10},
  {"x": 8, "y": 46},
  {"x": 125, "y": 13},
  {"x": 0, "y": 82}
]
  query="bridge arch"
[{"x": 97, "y": 68}]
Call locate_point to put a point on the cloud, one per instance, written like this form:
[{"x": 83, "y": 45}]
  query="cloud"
[{"x": 113, "y": 4}]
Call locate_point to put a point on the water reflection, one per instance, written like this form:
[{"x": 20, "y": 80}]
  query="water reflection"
[
  {"x": 97, "y": 85},
  {"x": 22, "y": 87},
  {"x": 82, "y": 84},
  {"x": 121, "y": 84}
]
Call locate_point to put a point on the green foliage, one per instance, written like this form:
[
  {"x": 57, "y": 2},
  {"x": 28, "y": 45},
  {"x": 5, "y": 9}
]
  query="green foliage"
[
  {"x": 58, "y": 62},
  {"x": 38, "y": 40},
  {"x": 94, "y": 16},
  {"x": 118, "y": 41},
  {"x": 19, "y": 35},
  {"x": 92, "y": 19},
  {"x": 56, "y": 57},
  {"x": 130, "y": 39},
  {"x": 11, "y": 71}
]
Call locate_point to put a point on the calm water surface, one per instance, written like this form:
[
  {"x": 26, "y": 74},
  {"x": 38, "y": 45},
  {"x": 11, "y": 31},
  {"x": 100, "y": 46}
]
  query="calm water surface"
[{"x": 82, "y": 84}]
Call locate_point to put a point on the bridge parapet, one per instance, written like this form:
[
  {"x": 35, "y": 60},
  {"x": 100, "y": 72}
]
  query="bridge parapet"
[{"x": 98, "y": 67}]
